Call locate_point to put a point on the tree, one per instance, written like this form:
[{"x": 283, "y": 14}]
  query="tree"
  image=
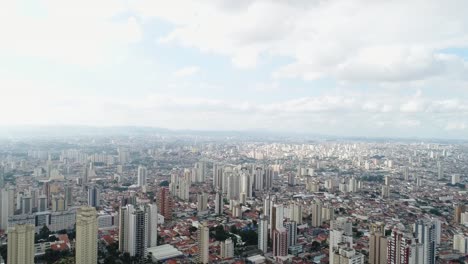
[
  {"x": 234, "y": 230},
  {"x": 164, "y": 184}
]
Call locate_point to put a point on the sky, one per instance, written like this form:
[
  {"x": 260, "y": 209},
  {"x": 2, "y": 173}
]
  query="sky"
[{"x": 373, "y": 68}]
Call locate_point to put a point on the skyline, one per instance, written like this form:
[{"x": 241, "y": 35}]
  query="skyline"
[{"x": 363, "y": 69}]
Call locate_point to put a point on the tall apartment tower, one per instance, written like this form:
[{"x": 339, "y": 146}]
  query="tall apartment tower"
[
  {"x": 440, "y": 170},
  {"x": 86, "y": 235},
  {"x": 21, "y": 244},
  {"x": 203, "y": 239},
  {"x": 458, "y": 210},
  {"x": 378, "y": 248},
  {"x": 316, "y": 214},
  {"x": 291, "y": 229},
  {"x": 152, "y": 225},
  {"x": 142, "y": 176},
  {"x": 276, "y": 218},
  {"x": 202, "y": 202},
  {"x": 5, "y": 208},
  {"x": 165, "y": 203},
  {"x": 134, "y": 231},
  {"x": 217, "y": 176},
  {"x": 263, "y": 234},
  {"x": 426, "y": 233},
  {"x": 280, "y": 242},
  {"x": 295, "y": 212},
  {"x": 227, "y": 249},
  {"x": 219, "y": 203},
  {"x": 399, "y": 248},
  {"x": 94, "y": 196}
]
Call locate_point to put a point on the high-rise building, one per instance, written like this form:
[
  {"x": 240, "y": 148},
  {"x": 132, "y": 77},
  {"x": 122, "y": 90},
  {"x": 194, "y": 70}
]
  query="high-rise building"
[
  {"x": 455, "y": 178},
  {"x": 268, "y": 180},
  {"x": 385, "y": 191},
  {"x": 340, "y": 233},
  {"x": 21, "y": 244},
  {"x": 217, "y": 176},
  {"x": 180, "y": 184},
  {"x": 165, "y": 203},
  {"x": 5, "y": 208},
  {"x": 378, "y": 248},
  {"x": 347, "y": 255},
  {"x": 202, "y": 202},
  {"x": 276, "y": 218},
  {"x": 203, "y": 239},
  {"x": 458, "y": 210},
  {"x": 258, "y": 178},
  {"x": 86, "y": 247},
  {"x": 263, "y": 234},
  {"x": 42, "y": 203},
  {"x": 291, "y": 229},
  {"x": 94, "y": 196},
  {"x": 133, "y": 231},
  {"x": 440, "y": 170},
  {"x": 316, "y": 214},
  {"x": 403, "y": 249},
  {"x": 68, "y": 195},
  {"x": 200, "y": 170},
  {"x": 280, "y": 242},
  {"x": 2, "y": 177},
  {"x": 142, "y": 176},
  {"x": 227, "y": 249},
  {"x": 295, "y": 212},
  {"x": 245, "y": 184},
  {"x": 152, "y": 225},
  {"x": 460, "y": 243},
  {"x": 425, "y": 231},
  {"x": 219, "y": 203}
]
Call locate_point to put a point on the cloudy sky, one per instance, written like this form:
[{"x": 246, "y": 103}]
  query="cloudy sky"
[{"x": 337, "y": 67}]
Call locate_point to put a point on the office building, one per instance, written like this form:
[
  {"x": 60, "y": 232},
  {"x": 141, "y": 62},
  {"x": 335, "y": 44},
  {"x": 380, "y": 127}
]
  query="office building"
[
  {"x": 86, "y": 247},
  {"x": 21, "y": 244}
]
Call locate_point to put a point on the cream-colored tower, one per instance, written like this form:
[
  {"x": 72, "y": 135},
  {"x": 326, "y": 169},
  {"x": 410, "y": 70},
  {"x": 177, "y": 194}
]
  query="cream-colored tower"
[
  {"x": 21, "y": 244},
  {"x": 86, "y": 235},
  {"x": 203, "y": 243}
]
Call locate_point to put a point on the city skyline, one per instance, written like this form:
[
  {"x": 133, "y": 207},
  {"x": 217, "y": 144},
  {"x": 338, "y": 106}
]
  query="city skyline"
[{"x": 336, "y": 68}]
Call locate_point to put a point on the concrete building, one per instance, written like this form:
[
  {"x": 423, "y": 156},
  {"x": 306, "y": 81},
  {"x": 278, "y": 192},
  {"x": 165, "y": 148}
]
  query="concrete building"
[
  {"x": 21, "y": 244},
  {"x": 227, "y": 249},
  {"x": 203, "y": 240},
  {"x": 86, "y": 235},
  {"x": 280, "y": 242}
]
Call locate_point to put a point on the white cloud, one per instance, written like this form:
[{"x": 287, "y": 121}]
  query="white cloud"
[
  {"x": 187, "y": 71},
  {"x": 456, "y": 126},
  {"x": 361, "y": 40},
  {"x": 85, "y": 32}
]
